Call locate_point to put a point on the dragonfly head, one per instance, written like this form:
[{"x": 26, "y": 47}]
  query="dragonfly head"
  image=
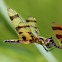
[{"x": 49, "y": 42}]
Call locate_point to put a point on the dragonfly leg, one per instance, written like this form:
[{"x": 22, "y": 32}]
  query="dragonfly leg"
[{"x": 47, "y": 49}]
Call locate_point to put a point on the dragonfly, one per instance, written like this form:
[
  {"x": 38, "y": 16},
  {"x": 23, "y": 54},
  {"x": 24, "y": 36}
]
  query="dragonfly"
[
  {"x": 57, "y": 30},
  {"x": 28, "y": 32}
]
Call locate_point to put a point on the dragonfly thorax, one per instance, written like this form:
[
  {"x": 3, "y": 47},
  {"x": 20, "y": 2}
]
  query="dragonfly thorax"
[{"x": 41, "y": 40}]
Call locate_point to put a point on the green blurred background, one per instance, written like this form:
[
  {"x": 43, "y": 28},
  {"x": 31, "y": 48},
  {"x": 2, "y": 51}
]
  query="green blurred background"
[{"x": 46, "y": 12}]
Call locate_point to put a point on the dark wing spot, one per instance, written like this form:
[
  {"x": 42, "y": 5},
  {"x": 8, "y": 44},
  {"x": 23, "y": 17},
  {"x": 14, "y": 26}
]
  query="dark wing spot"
[
  {"x": 61, "y": 41},
  {"x": 29, "y": 32},
  {"x": 57, "y": 28},
  {"x": 16, "y": 28},
  {"x": 30, "y": 20},
  {"x": 22, "y": 26},
  {"x": 20, "y": 32},
  {"x": 14, "y": 16},
  {"x": 58, "y": 36},
  {"x": 36, "y": 31},
  {"x": 31, "y": 36},
  {"x": 24, "y": 38}
]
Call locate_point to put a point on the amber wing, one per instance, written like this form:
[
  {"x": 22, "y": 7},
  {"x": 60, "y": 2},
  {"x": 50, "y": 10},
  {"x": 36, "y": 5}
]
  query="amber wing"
[{"x": 57, "y": 29}]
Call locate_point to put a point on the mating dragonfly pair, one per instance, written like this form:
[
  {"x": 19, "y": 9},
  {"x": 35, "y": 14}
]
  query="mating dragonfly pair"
[{"x": 29, "y": 33}]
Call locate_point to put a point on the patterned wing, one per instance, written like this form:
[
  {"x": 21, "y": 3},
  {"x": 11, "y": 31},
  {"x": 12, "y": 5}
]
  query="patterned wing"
[
  {"x": 57, "y": 29},
  {"x": 32, "y": 22},
  {"x": 14, "y": 17},
  {"x": 23, "y": 29},
  {"x": 24, "y": 32}
]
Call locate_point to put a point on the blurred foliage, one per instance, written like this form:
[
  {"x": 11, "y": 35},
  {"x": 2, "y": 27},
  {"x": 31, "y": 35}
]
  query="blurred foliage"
[{"x": 46, "y": 12}]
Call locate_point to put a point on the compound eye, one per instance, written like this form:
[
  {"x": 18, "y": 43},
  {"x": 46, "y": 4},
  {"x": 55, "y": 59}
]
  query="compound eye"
[{"x": 50, "y": 38}]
